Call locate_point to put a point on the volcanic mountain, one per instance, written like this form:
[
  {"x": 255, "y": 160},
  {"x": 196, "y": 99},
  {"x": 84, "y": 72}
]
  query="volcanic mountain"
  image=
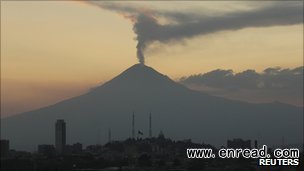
[{"x": 179, "y": 112}]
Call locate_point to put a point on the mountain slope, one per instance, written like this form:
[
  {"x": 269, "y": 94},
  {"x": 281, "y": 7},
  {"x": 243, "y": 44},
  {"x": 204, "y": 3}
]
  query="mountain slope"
[{"x": 178, "y": 111}]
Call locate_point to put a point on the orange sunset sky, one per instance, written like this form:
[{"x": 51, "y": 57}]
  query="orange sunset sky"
[{"x": 53, "y": 50}]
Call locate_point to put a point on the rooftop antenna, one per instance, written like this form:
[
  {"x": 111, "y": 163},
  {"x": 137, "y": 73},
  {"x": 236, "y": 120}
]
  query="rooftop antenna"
[
  {"x": 133, "y": 123},
  {"x": 150, "y": 126},
  {"x": 109, "y": 135}
]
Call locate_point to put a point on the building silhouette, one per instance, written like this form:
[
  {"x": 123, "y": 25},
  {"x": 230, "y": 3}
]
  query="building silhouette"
[
  {"x": 46, "y": 150},
  {"x": 60, "y": 136},
  {"x": 4, "y": 148},
  {"x": 238, "y": 143},
  {"x": 73, "y": 149}
]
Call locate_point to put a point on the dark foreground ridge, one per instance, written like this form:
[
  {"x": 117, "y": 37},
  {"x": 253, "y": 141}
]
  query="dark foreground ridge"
[{"x": 153, "y": 154}]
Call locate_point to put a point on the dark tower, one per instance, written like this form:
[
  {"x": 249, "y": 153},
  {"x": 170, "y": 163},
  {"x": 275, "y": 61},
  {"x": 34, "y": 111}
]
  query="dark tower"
[
  {"x": 255, "y": 143},
  {"x": 150, "y": 126},
  {"x": 4, "y": 148},
  {"x": 60, "y": 136},
  {"x": 133, "y": 129}
]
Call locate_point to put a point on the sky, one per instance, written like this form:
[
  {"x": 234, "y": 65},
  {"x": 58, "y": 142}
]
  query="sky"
[{"x": 53, "y": 50}]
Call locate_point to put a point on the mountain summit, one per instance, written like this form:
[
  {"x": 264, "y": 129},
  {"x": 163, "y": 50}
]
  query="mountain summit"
[
  {"x": 139, "y": 80},
  {"x": 179, "y": 112},
  {"x": 142, "y": 77}
]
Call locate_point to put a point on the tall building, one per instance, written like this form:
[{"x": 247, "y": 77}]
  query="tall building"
[
  {"x": 4, "y": 148},
  {"x": 60, "y": 136}
]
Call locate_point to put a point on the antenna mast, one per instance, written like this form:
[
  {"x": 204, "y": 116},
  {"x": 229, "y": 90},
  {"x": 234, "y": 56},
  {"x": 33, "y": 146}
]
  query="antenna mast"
[
  {"x": 109, "y": 135},
  {"x": 133, "y": 123},
  {"x": 150, "y": 126}
]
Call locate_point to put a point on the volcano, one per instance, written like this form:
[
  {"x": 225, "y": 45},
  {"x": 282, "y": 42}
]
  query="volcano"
[{"x": 180, "y": 113}]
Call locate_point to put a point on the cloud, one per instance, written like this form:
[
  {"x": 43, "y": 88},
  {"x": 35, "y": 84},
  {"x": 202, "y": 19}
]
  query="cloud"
[
  {"x": 155, "y": 25},
  {"x": 278, "y": 84}
]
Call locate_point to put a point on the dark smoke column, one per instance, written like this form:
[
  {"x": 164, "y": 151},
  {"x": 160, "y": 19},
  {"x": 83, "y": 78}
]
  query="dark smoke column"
[
  {"x": 145, "y": 28},
  {"x": 186, "y": 25},
  {"x": 140, "y": 54},
  {"x": 139, "y": 28}
]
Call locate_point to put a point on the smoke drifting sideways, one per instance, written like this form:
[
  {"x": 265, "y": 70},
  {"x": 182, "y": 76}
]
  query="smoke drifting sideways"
[{"x": 149, "y": 28}]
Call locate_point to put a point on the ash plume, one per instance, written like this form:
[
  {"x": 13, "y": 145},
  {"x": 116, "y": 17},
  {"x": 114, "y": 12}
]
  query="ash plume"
[{"x": 183, "y": 25}]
